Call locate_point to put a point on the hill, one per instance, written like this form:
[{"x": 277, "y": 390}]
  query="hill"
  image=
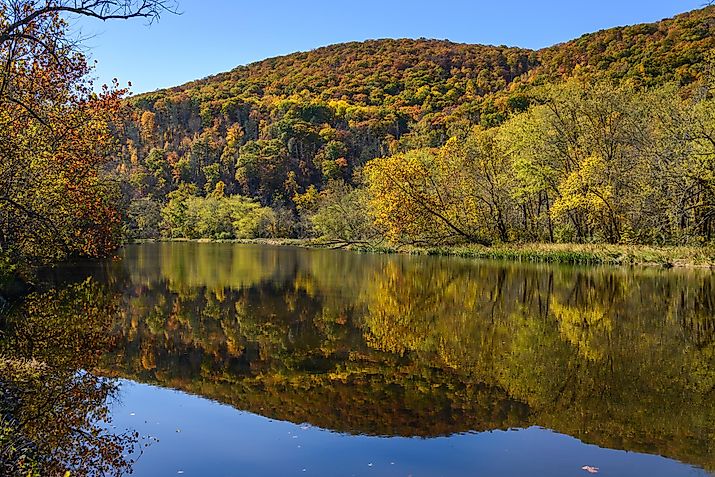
[{"x": 273, "y": 128}]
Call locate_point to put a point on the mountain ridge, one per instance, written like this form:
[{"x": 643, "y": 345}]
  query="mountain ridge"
[{"x": 706, "y": 13}]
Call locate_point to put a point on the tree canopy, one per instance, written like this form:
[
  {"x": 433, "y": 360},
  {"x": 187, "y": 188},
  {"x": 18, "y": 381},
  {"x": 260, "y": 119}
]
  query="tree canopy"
[
  {"x": 452, "y": 130},
  {"x": 56, "y": 133}
]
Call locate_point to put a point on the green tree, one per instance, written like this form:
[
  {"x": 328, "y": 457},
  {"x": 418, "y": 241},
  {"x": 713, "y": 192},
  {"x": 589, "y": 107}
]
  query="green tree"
[{"x": 342, "y": 216}]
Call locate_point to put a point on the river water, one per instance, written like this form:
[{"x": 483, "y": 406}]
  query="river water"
[{"x": 242, "y": 360}]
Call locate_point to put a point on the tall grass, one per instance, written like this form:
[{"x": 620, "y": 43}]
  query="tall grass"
[{"x": 580, "y": 254}]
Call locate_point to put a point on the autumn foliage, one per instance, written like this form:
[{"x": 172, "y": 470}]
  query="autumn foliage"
[
  {"x": 286, "y": 129},
  {"x": 56, "y": 134}
]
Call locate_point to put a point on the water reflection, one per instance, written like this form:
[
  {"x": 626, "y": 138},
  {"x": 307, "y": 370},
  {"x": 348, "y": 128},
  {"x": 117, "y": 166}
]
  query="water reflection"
[
  {"x": 409, "y": 346},
  {"x": 404, "y": 346},
  {"x": 54, "y": 414}
]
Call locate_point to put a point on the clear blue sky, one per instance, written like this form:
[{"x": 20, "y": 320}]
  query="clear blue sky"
[{"x": 212, "y": 36}]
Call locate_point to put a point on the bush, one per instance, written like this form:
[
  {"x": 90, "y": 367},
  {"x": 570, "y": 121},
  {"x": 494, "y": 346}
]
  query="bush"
[{"x": 216, "y": 216}]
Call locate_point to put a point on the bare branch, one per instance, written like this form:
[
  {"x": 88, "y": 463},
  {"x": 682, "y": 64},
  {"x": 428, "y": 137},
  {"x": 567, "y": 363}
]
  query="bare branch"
[{"x": 100, "y": 9}]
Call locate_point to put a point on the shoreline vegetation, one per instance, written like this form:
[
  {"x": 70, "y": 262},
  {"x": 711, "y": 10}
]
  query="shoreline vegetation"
[
  {"x": 566, "y": 253},
  {"x": 617, "y": 155}
]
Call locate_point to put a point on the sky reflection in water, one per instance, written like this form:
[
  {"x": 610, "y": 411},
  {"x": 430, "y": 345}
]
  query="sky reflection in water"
[{"x": 201, "y": 437}]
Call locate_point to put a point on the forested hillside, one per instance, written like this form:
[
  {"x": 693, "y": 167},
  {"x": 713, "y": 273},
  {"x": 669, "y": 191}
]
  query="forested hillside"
[{"x": 277, "y": 148}]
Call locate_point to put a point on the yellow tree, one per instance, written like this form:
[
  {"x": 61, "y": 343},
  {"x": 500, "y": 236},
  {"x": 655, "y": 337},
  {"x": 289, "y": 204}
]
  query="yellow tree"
[
  {"x": 582, "y": 151},
  {"x": 460, "y": 192},
  {"x": 418, "y": 197},
  {"x": 415, "y": 202},
  {"x": 484, "y": 178}
]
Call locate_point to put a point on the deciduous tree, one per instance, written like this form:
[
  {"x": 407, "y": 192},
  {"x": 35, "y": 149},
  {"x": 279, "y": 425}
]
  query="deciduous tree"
[{"x": 55, "y": 132}]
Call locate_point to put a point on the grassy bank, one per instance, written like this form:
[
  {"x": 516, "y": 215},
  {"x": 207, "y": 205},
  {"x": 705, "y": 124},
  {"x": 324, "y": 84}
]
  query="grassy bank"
[
  {"x": 576, "y": 254},
  {"x": 587, "y": 254}
]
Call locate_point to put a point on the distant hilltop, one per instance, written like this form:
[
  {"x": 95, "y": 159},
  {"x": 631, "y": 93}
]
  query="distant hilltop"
[{"x": 396, "y": 72}]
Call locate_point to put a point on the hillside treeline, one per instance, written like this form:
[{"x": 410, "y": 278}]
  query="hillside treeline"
[
  {"x": 607, "y": 138},
  {"x": 585, "y": 162}
]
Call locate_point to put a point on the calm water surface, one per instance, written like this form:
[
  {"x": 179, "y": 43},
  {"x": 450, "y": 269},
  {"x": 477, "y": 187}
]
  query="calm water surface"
[{"x": 236, "y": 360}]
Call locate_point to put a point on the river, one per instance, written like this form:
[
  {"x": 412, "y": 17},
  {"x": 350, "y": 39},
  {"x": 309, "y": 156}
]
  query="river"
[{"x": 233, "y": 360}]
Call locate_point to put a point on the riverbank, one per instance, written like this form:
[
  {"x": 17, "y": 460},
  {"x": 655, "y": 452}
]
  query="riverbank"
[{"x": 575, "y": 254}]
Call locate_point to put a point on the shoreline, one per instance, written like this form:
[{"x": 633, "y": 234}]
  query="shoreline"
[{"x": 569, "y": 253}]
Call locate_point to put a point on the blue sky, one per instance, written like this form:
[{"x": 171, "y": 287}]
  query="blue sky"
[{"x": 212, "y": 36}]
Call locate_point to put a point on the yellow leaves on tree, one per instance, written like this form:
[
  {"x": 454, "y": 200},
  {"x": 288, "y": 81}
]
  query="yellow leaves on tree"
[
  {"x": 460, "y": 192},
  {"x": 586, "y": 191}
]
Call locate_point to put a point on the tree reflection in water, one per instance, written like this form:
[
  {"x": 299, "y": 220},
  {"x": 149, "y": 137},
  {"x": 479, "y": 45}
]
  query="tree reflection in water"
[{"x": 54, "y": 409}]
